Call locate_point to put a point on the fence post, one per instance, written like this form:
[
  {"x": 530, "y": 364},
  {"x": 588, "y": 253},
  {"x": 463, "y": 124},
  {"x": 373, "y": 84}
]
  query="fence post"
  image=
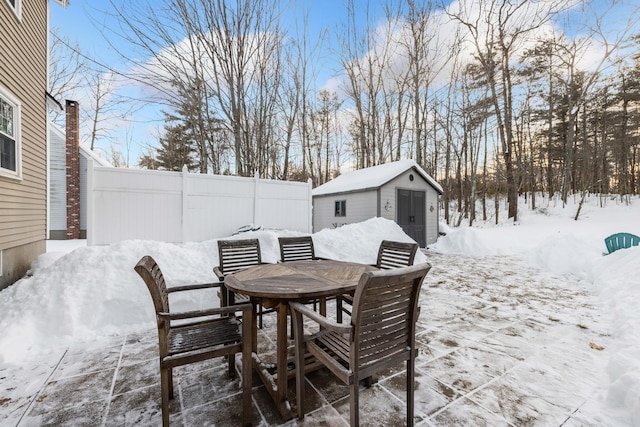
[
  {"x": 90, "y": 201},
  {"x": 310, "y": 209},
  {"x": 256, "y": 183},
  {"x": 185, "y": 187}
]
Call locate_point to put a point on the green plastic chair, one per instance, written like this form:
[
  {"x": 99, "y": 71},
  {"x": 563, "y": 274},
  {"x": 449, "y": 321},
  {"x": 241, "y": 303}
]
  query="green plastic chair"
[{"x": 621, "y": 241}]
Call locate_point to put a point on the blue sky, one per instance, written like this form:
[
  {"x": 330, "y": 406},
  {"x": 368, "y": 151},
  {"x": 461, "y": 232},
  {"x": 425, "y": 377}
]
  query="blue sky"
[{"x": 85, "y": 22}]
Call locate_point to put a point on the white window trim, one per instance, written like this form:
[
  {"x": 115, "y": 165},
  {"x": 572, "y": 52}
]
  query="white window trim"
[
  {"x": 6, "y": 173},
  {"x": 17, "y": 9}
]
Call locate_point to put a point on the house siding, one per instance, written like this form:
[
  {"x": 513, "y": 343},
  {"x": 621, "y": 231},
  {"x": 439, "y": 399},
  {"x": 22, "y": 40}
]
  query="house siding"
[
  {"x": 58, "y": 184},
  {"x": 361, "y": 206},
  {"x": 23, "y": 73},
  {"x": 84, "y": 163}
]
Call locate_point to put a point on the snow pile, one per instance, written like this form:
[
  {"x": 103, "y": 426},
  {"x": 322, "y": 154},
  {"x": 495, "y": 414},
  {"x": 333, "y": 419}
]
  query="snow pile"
[{"x": 93, "y": 292}]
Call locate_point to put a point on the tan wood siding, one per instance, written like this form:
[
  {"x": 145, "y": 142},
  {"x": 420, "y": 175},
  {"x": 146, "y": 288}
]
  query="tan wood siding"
[
  {"x": 14, "y": 218},
  {"x": 23, "y": 73}
]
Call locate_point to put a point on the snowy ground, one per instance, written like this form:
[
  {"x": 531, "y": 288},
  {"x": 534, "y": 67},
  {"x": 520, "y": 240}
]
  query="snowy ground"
[{"x": 551, "y": 265}]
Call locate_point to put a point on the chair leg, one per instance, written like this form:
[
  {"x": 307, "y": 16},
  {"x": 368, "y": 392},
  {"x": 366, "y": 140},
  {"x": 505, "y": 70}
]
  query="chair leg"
[
  {"x": 369, "y": 381},
  {"x": 354, "y": 403},
  {"x": 410, "y": 389},
  {"x": 166, "y": 386},
  {"x": 339, "y": 309},
  {"x": 231, "y": 359},
  {"x": 247, "y": 371},
  {"x": 299, "y": 362}
]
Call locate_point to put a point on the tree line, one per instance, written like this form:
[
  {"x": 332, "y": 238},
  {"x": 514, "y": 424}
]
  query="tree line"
[{"x": 487, "y": 96}]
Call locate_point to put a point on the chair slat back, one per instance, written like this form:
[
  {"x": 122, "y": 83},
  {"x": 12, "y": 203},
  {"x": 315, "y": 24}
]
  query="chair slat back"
[
  {"x": 237, "y": 255},
  {"x": 148, "y": 269},
  {"x": 385, "y": 311},
  {"x": 296, "y": 248},
  {"x": 621, "y": 241},
  {"x": 396, "y": 254}
]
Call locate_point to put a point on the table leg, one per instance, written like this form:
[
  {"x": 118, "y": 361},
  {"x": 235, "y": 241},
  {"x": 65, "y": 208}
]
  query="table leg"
[
  {"x": 276, "y": 383},
  {"x": 281, "y": 356},
  {"x": 254, "y": 327}
]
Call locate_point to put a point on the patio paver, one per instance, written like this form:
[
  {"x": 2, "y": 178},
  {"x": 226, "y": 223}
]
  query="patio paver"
[{"x": 504, "y": 345}]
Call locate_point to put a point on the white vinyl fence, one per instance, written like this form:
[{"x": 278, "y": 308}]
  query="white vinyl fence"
[{"x": 181, "y": 207}]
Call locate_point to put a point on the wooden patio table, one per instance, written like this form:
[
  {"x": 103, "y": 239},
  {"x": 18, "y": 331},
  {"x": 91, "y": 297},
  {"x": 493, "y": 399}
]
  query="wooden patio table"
[{"x": 274, "y": 285}]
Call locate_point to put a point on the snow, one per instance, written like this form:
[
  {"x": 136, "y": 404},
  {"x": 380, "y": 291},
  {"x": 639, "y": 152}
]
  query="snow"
[
  {"x": 372, "y": 177},
  {"x": 551, "y": 240},
  {"x": 75, "y": 294}
]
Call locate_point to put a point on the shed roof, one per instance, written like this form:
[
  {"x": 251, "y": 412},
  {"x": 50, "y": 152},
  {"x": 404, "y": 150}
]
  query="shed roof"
[{"x": 372, "y": 178}]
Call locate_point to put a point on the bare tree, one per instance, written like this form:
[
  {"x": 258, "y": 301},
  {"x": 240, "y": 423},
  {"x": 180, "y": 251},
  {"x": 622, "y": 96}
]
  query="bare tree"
[
  {"x": 426, "y": 56},
  {"x": 496, "y": 29},
  {"x": 577, "y": 83},
  {"x": 66, "y": 68}
]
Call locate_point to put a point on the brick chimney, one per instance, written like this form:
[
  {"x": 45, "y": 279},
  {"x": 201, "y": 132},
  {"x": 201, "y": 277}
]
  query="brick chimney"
[{"x": 73, "y": 169}]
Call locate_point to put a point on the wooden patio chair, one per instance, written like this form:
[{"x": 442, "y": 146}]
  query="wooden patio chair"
[
  {"x": 390, "y": 255},
  {"x": 194, "y": 336},
  {"x": 299, "y": 249},
  {"x": 296, "y": 248},
  {"x": 381, "y": 334},
  {"x": 236, "y": 255}
]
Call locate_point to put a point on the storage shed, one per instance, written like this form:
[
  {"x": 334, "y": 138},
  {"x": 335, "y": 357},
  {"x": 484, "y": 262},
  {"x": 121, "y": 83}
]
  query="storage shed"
[{"x": 400, "y": 191}]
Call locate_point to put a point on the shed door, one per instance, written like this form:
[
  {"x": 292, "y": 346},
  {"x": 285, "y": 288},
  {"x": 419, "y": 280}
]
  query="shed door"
[{"x": 412, "y": 214}]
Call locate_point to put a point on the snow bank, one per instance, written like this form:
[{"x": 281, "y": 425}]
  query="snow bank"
[{"x": 93, "y": 292}]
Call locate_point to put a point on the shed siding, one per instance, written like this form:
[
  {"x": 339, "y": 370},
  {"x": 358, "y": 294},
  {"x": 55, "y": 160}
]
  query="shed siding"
[
  {"x": 389, "y": 191},
  {"x": 365, "y": 204},
  {"x": 23, "y": 73},
  {"x": 361, "y": 206}
]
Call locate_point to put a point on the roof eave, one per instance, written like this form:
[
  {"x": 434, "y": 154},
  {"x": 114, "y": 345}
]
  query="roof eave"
[{"x": 337, "y": 193}]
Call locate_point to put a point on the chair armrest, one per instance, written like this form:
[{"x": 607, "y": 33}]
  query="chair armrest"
[
  {"x": 193, "y": 287},
  {"x": 325, "y": 322},
  {"x": 207, "y": 312},
  {"x": 218, "y": 273}
]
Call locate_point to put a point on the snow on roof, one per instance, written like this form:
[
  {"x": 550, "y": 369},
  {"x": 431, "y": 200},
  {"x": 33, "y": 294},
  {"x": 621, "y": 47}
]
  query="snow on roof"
[
  {"x": 87, "y": 152},
  {"x": 95, "y": 156},
  {"x": 373, "y": 177}
]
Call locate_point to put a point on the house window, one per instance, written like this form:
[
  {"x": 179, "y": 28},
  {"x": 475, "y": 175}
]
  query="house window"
[
  {"x": 15, "y": 7},
  {"x": 341, "y": 208},
  {"x": 9, "y": 135}
]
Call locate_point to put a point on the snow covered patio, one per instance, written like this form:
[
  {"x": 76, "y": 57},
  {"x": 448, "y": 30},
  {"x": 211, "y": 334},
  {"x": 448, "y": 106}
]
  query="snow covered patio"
[
  {"x": 501, "y": 344},
  {"x": 523, "y": 323}
]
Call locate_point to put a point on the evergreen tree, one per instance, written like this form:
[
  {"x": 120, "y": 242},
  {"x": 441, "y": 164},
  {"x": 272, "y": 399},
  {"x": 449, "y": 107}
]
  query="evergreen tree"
[{"x": 177, "y": 148}]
